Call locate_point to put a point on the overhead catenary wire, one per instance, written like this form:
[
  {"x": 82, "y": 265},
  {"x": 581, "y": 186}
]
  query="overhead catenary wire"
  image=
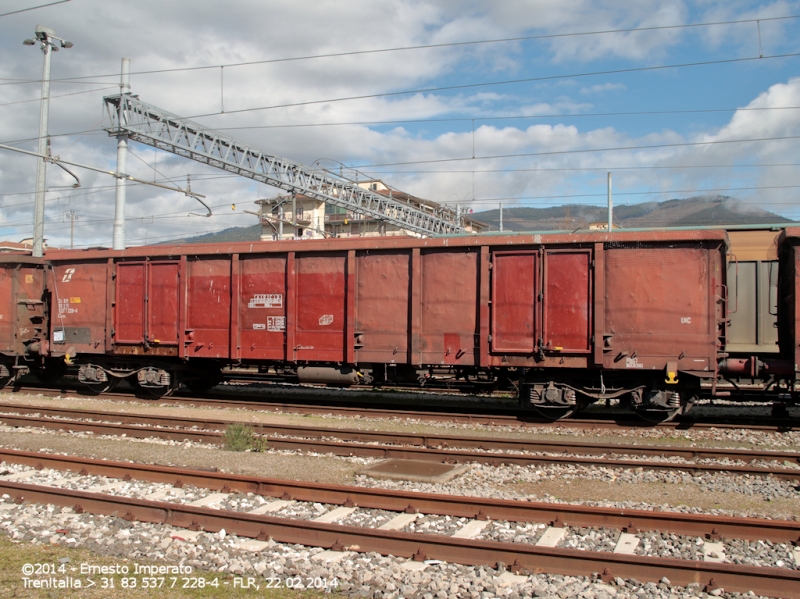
[
  {"x": 668, "y": 145},
  {"x": 99, "y": 131},
  {"x": 582, "y": 151},
  {"x": 506, "y": 118},
  {"x": 76, "y": 81},
  {"x": 619, "y": 193},
  {"x": 181, "y": 215},
  {"x": 85, "y": 91},
  {"x": 501, "y": 83},
  {"x": 447, "y": 45},
  {"x": 14, "y": 12}
]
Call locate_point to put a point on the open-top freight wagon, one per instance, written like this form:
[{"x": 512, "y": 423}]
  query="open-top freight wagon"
[{"x": 566, "y": 319}]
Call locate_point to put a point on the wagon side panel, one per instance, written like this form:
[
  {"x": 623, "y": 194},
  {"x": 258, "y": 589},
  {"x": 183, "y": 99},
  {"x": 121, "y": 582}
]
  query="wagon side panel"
[
  {"x": 320, "y": 307},
  {"x": 567, "y": 307},
  {"x": 129, "y": 312},
  {"x": 659, "y": 307},
  {"x": 382, "y": 307},
  {"x": 7, "y": 315},
  {"x": 789, "y": 297},
  {"x": 449, "y": 307},
  {"x": 208, "y": 308},
  {"x": 79, "y": 305},
  {"x": 262, "y": 306},
  {"x": 163, "y": 297},
  {"x": 515, "y": 292}
]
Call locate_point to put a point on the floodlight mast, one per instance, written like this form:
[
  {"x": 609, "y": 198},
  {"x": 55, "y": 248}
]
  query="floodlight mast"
[
  {"x": 166, "y": 131},
  {"x": 46, "y": 38}
]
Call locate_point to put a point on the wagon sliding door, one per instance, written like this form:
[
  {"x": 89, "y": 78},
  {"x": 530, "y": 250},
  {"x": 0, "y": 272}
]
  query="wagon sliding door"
[
  {"x": 147, "y": 306},
  {"x": 567, "y": 301},
  {"x": 514, "y": 302}
]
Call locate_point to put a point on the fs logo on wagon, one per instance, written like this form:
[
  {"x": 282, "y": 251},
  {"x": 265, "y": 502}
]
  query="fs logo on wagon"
[{"x": 68, "y": 275}]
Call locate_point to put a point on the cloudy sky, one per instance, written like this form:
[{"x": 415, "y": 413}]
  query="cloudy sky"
[{"x": 524, "y": 102}]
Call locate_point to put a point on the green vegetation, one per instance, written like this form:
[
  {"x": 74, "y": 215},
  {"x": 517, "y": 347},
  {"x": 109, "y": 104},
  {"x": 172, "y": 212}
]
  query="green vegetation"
[{"x": 240, "y": 437}]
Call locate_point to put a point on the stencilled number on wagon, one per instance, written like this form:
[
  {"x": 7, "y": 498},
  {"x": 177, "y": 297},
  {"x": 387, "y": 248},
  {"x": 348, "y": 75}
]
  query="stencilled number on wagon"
[
  {"x": 326, "y": 319},
  {"x": 64, "y": 307},
  {"x": 68, "y": 275},
  {"x": 266, "y": 300},
  {"x": 633, "y": 363},
  {"x": 686, "y": 320},
  {"x": 276, "y": 324}
]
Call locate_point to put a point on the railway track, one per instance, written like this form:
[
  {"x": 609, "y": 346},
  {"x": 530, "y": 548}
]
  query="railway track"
[
  {"x": 494, "y": 416},
  {"x": 458, "y": 548},
  {"x": 437, "y": 448}
]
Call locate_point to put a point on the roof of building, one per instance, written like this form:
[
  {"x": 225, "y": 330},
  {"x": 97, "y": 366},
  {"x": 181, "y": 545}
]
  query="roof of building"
[{"x": 378, "y": 186}]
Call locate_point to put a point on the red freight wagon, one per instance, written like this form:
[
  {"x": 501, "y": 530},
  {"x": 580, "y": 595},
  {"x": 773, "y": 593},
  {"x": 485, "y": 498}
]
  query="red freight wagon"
[
  {"x": 23, "y": 314},
  {"x": 569, "y": 319},
  {"x": 789, "y": 306}
]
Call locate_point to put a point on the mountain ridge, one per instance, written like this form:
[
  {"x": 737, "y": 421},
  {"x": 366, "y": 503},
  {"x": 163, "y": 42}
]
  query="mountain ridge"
[{"x": 697, "y": 211}]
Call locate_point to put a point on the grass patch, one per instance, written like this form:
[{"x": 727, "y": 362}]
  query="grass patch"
[
  {"x": 14, "y": 555},
  {"x": 240, "y": 437}
]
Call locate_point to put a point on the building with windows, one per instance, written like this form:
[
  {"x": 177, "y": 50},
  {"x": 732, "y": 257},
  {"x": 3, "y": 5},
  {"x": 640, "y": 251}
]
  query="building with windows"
[{"x": 301, "y": 217}]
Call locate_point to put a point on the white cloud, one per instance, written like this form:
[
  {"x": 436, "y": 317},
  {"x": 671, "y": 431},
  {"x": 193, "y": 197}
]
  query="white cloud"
[
  {"x": 602, "y": 87},
  {"x": 179, "y": 33}
]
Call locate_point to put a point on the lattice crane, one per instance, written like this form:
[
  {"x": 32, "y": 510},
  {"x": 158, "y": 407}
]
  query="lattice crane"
[{"x": 166, "y": 131}]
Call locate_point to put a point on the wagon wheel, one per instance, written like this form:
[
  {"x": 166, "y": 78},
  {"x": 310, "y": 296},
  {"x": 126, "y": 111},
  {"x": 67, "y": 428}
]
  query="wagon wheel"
[
  {"x": 157, "y": 392},
  {"x": 101, "y": 387},
  {"x": 658, "y": 414},
  {"x": 153, "y": 385},
  {"x": 551, "y": 410},
  {"x": 557, "y": 412}
]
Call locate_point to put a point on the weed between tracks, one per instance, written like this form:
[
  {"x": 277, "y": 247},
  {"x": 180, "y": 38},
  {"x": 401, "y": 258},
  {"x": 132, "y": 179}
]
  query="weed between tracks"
[{"x": 240, "y": 437}]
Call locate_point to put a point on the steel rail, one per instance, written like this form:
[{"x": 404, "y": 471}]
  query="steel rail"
[
  {"x": 774, "y": 582},
  {"x": 502, "y": 417},
  {"x": 777, "y": 531},
  {"x": 389, "y": 451},
  {"x": 412, "y": 439}
]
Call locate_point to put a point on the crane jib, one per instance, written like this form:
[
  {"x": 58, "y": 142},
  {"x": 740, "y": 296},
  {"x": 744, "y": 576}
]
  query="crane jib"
[{"x": 158, "y": 128}]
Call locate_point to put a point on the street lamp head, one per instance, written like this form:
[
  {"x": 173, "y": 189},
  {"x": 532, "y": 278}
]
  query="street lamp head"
[
  {"x": 66, "y": 44},
  {"x": 43, "y": 32},
  {"x": 29, "y": 42}
]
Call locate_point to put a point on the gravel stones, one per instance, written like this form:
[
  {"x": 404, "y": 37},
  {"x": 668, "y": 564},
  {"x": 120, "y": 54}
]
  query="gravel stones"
[
  {"x": 372, "y": 575},
  {"x": 357, "y": 575}
]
